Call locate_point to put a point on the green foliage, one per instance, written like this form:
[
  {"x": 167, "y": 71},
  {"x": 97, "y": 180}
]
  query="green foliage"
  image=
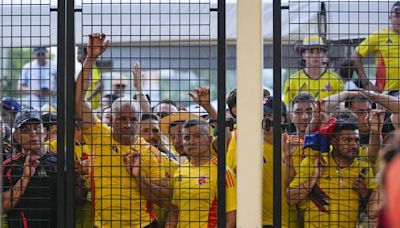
[{"x": 16, "y": 59}]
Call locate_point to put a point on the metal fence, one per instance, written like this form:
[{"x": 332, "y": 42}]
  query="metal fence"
[{"x": 116, "y": 113}]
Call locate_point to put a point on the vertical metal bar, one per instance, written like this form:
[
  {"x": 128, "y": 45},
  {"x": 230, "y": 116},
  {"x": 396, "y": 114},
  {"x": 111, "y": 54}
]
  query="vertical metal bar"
[
  {"x": 70, "y": 112},
  {"x": 61, "y": 114},
  {"x": 1, "y": 131},
  {"x": 221, "y": 113},
  {"x": 249, "y": 113},
  {"x": 277, "y": 62}
]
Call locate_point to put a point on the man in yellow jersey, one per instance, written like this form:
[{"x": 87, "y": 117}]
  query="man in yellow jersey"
[
  {"x": 232, "y": 139},
  {"x": 289, "y": 215},
  {"x": 332, "y": 187},
  {"x": 314, "y": 78},
  {"x": 384, "y": 43},
  {"x": 195, "y": 185},
  {"x": 118, "y": 200},
  {"x": 300, "y": 114}
]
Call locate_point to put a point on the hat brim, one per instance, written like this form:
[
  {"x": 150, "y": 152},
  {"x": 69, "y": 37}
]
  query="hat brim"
[
  {"x": 179, "y": 117},
  {"x": 315, "y": 46},
  {"x": 28, "y": 120}
]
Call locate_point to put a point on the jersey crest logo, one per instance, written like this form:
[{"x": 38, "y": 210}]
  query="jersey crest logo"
[
  {"x": 202, "y": 180},
  {"x": 328, "y": 87},
  {"x": 179, "y": 178},
  {"x": 389, "y": 41}
]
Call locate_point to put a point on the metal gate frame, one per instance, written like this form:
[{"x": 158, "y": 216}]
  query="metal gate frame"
[{"x": 66, "y": 118}]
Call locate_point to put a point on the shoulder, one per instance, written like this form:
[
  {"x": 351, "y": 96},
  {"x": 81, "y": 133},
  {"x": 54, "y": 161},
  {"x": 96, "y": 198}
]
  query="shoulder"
[
  {"x": 331, "y": 74},
  {"x": 297, "y": 75},
  {"x": 98, "y": 128}
]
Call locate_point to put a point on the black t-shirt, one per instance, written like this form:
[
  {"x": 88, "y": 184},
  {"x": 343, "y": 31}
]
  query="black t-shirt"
[{"x": 37, "y": 207}]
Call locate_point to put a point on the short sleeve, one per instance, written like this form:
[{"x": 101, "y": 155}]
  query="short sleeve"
[
  {"x": 286, "y": 89},
  {"x": 231, "y": 153},
  {"x": 230, "y": 190},
  {"x": 96, "y": 134},
  {"x": 368, "y": 45}
]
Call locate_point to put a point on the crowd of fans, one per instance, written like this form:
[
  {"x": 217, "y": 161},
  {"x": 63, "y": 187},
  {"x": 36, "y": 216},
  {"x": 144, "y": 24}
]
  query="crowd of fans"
[{"x": 143, "y": 166}]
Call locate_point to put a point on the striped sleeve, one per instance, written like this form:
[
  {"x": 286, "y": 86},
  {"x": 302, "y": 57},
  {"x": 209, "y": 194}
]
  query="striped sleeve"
[{"x": 230, "y": 190}]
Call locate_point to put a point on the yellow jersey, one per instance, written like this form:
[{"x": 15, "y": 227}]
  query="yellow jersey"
[
  {"x": 117, "y": 201},
  {"x": 385, "y": 44},
  {"x": 336, "y": 183},
  {"x": 327, "y": 84},
  {"x": 289, "y": 215},
  {"x": 231, "y": 152},
  {"x": 195, "y": 193}
]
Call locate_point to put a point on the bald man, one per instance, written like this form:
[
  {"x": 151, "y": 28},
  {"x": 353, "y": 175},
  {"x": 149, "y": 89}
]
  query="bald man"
[{"x": 118, "y": 199}]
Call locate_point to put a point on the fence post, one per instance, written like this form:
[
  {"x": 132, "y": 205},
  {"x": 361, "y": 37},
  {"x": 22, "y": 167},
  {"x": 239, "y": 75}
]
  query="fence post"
[
  {"x": 61, "y": 114},
  {"x": 249, "y": 113},
  {"x": 221, "y": 113},
  {"x": 70, "y": 111},
  {"x": 277, "y": 182}
]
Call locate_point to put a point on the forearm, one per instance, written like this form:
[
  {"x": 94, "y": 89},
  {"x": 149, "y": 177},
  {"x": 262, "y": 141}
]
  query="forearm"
[
  {"x": 375, "y": 141},
  {"x": 333, "y": 101},
  {"x": 173, "y": 216},
  {"x": 143, "y": 102},
  {"x": 83, "y": 110},
  {"x": 314, "y": 125},
  {"x": 154, "y": 192},
  {"x": 296, "y": 195},
  {"x": 13, "y": 195},
  {"x": 231, "y": 219},
  {"x": 389, "y": 102},
  {"x": 374, "y": 204},
  {"x": 84, "y": 77}
]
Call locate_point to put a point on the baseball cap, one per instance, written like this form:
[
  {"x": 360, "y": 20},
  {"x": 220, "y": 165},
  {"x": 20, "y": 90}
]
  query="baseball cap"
[
  {"x": 11, "y": 104},
  {"x": 314, "y": 41},
  {"x": 26, "y": 115},
  {"x": 37, "y": 50},
  {"x": 396, "y": 8},
  {"x": 269, "y": 106}
]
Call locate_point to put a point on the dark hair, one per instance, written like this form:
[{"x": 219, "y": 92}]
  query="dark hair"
[
  {"x": 345, "y": 124},
  {"x": 231, "y": 99},
  {"x": 396, "y": 4},
  {"x": 303, "y": 97},
  {"x": 358, "y": 98},
  {"x": 194, "y": 122},
  {"x": 150, "y": 116},
  {"x": 49, "y": 119},
  {"x": 345, "y": 114},
  {"x": 165, "y": 101}
]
